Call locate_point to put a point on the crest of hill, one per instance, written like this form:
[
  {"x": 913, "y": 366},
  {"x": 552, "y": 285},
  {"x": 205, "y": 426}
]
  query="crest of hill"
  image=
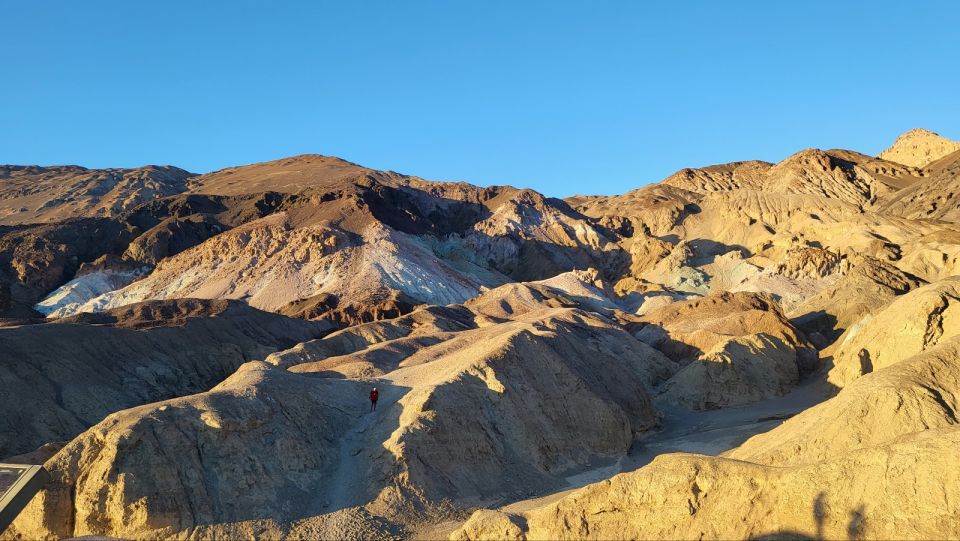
[
  {"x": 725, "y": 177},
  {"x": 839, "y": 174},
  {"x": 379, "y": 238},
  {"x": 836, "y": 174},
  {"x": 919, "y": 148},
  {"x": 287, "y": 175},
  {"x": 34, "y": 194},
  {"x": 317, "y": 173}
]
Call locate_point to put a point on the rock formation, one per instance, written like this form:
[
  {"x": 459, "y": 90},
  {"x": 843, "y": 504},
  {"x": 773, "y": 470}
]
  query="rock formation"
[
  {"x": 745, "y": 350},
  {"x": 919, "y": 148},
  {"x": 910, "y": 324}
]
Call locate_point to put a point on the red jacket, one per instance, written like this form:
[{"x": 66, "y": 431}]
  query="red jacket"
[{"x": 374, "y": 395}]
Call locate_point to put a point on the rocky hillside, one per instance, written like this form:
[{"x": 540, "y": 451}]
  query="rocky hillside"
[
  {"x": 33, "y": 194},
  {"x": 919, "y": 148},
  {"x": 745, "y": 350}
]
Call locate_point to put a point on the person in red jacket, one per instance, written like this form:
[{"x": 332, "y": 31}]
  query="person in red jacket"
[{"x": 374, "y": 395}]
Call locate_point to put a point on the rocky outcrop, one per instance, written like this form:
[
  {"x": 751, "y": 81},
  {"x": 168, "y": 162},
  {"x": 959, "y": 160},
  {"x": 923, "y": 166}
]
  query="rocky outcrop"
[
  {"x": 738, "y": 371},
  {"x": 582, "y": 289},
  {"x": 911, "y": 324},
  {"x": 106, "y": 274},
  {"x": 841, "y": 175},
  {"x": 38, "y": 259},
  {"x": 919, "y": 148},
  {"x": 815, "y": 172},
  {"x": 530, "y": 237},
  {"x": 524, "y": 387},
  {"x": 178, "y": 464},
  {"x": 42, "y": 257},
  {"x": 933, "y": 199},
  {"x": 653, "y": 210},
  {"x": 272, "y": 264},
  {"x": 732, "y": 349},
  {"x": 685, "y": 330},
  {"x": 421, "y": 323},
  {"x": 870, "y": 463},
  {"x": 858, "y": 290},
  {"x": 720, "y": 178}
]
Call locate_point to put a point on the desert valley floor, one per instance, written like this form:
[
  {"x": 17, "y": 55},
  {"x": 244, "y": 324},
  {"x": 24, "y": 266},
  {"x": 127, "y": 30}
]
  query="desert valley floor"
[{"x": 747, "y": 350}]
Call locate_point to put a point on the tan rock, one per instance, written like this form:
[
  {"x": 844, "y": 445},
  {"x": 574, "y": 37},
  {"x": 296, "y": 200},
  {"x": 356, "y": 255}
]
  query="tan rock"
[
  {"x": 720, "y": 178},
  {"x": 919, "y": 393},
  {"x": 735, "y": 372},
  {"x": 909, "y": 325},
  {"x": 487, "y": 525},
  {"x": 862, "y": 288},
  {"x": 907, "y": 489},
  {"x": 919, "y": 148},
  {"x": 932, "y": 199},
  {"x": 815, "y": 172},
  {"x": 685, "y": 330}
]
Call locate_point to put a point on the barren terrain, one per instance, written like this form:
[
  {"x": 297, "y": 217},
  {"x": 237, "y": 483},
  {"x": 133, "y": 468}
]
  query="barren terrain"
[{"x": 745, "y": 350}]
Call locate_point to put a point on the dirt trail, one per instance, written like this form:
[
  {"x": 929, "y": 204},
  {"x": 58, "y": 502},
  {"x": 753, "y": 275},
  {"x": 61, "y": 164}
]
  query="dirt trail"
[{"x": 351, "y": 479}]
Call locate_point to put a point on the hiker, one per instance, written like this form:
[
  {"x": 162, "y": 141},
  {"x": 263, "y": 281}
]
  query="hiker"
[{"x": 374, "y": 395}]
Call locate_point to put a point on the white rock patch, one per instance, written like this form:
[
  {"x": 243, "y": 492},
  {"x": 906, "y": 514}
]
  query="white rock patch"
[{"x": 70, "y": 297}]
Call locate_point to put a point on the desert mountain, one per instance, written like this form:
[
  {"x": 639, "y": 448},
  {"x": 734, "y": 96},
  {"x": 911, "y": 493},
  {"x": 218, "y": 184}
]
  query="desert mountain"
[
  {"x": 355, "y": 248},
  {"x": 919, "y": 148},
  {"x": 289, "y": 175},
  {"x": 744, "y": 350},
  {"x": 32, "y": 194}
]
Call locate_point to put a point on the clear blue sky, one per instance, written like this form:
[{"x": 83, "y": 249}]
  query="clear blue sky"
[{"x": 563, "y": 97}]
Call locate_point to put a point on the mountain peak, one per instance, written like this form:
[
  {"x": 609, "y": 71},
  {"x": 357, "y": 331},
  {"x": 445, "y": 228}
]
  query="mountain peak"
[{"x": 919, "y": 147}]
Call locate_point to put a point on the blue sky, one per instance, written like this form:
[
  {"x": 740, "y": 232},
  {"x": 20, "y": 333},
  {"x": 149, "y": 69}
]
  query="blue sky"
[{"x": 563, "y": 97}]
